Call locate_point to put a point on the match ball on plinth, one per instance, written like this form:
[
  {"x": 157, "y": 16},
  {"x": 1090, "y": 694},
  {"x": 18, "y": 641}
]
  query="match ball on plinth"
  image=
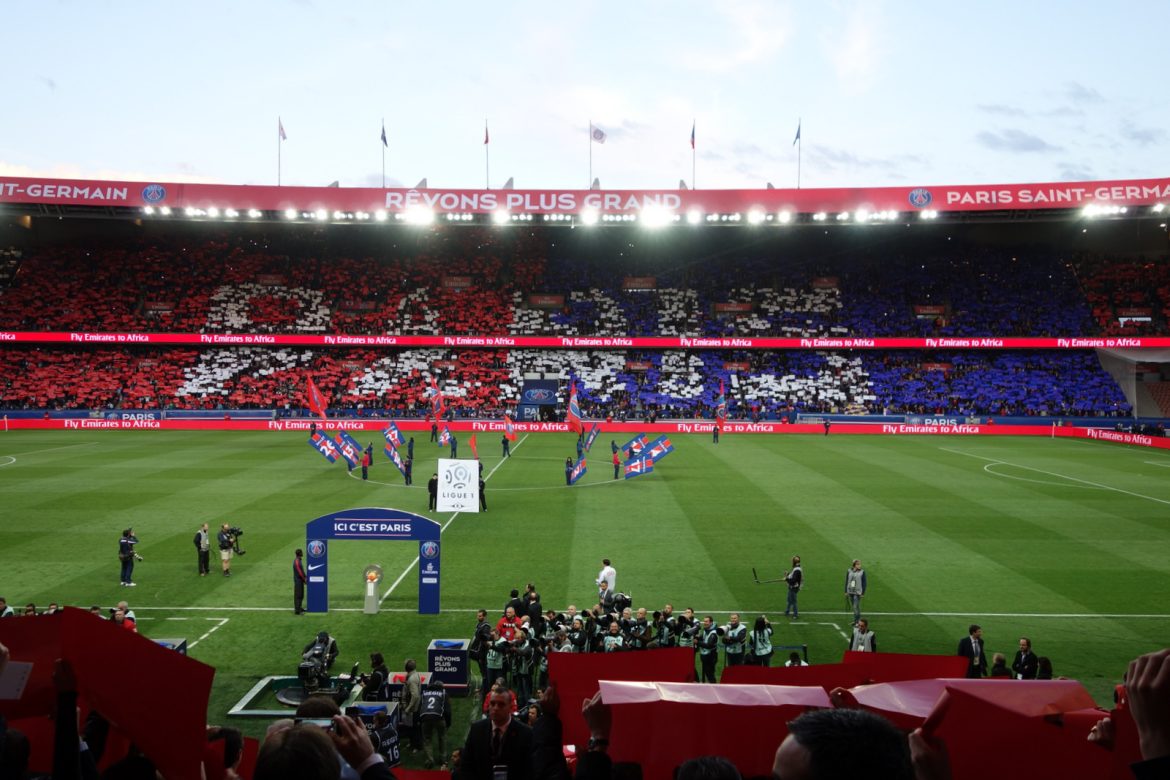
[{"x": 372, "y": 576}]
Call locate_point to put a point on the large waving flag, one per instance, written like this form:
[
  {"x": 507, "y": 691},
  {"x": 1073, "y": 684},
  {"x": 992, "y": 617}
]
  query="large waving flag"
[
  {"x": 471, "y": 443},
  {"x": 393, "y": 455},
  {"x": 634, "y": 446},
  {"x": 578, "y": 471},
  {"x": 324, "y": 445},
  {"x": 592, "y": 437},
  {"x": 573, "y": 414},
  {"x": 317, "y": 404},
  {"x": 393, "y": 435},
  {"x": 509, "y": 429},
  {"x": 444, "y": 436},
  {"x": 659, "y": 449},
  {"x": 349, "y": 447},
  {"x": 437, "y": 405},
  {"x": 721, "y": 405},
  {"x": 638, "y": 467}
]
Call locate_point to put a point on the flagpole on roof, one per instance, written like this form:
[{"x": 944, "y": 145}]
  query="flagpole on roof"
[
  {"x": 798, "y": 145},
  {"x": 383, "y": 152},
  {"x": 692, "y": 154},
  {"x": 279, "y": 139},
  {"x": 589, "y": 136},
  {"x": 487, "y": 163}
]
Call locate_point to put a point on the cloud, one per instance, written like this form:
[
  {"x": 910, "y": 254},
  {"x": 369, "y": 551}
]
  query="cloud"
[
  {"x": 70, "y": 171},
  {"x": 1142, "y": 136},
  {"x": 833, "y": 159},
  {"x": 1076, "y": 172},
  {"x": 48, "y": 82},
  {"x": 757, "y": 31},
  {"x": 1014, "y": 141},
  {"x": 1001, "y": 110},
  {"x": 1079, "y": 93}
]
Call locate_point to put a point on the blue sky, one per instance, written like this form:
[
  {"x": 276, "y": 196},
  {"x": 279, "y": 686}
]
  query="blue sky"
[{"x": 888, "y": 93}]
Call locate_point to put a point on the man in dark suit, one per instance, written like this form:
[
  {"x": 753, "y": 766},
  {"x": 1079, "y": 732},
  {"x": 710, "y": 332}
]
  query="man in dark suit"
[
  {"x": 971, "y": 648},
  {"x": 1025, "y": 666},
  {"x": 498, "y": 740}
]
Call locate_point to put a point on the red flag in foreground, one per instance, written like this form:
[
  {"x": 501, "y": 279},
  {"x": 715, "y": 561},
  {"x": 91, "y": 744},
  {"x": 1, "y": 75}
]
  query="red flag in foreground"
[
  {"x": 471, "y": 443},
  {"x": 104, "y": 656},
  {"x": 576, "y": 676},
  {"x": 509, "y": 429},
  {"x": 661, "y": 725}
]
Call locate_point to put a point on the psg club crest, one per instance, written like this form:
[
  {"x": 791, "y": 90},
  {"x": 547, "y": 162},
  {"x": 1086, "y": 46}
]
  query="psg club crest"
[
  {"x": 316, "y": 548},
  {"x": 920, "y": 198},
  {"x": 538, "y": 394},
  {"x": 154, "y": 193},
  {"x": 429, "y": 549}
]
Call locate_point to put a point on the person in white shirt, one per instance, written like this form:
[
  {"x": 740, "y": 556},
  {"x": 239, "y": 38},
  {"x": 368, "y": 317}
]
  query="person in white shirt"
[{"x": 607, "y": 573}]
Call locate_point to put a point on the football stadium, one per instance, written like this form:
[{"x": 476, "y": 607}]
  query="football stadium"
[{"x": 945, "y": 404}]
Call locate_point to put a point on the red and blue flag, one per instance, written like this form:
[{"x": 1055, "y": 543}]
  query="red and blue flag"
[
  {"x": 573, "y": 415},
  {"x": 577, "y": 472},
  {"x": 638, "y": 467},
  {"x": 509, "y": 429},
  {"x": 592, "y": 437},
  {"x": 634, "y": 446},
  {"x": 436, "y": 395},
  {"x": 324, "y": 445},
  {"x": 721, "y": 405},
  {"x": 444, "y": 436},
  {"x": 316, "y": 400},
  {"x": 395, "y": 458},
  {"x": 393, "y": 435},
  {"x": 349, "y": 447},
  {"x": 659, "y": 449}
]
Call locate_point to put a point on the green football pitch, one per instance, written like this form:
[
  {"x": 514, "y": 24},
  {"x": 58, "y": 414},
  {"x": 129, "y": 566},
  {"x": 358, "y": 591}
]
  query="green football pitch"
[{"x": 1067, "y": 542}]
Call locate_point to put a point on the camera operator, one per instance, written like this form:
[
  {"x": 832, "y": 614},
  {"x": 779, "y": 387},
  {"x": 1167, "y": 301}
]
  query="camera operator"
[
  {"x": 522, "y": 659},
  {"x": 317, "y": 659},
  {"x": 494, "y": 660},
  {"x": 639, "y": 631},
  {"x": 373, "y": 683},
  {"x": 128, "y": 556},
  {"x": 614, "y": 641},
  {"x": 226, "y": 541},
  {"x": 578, "y": 637}
]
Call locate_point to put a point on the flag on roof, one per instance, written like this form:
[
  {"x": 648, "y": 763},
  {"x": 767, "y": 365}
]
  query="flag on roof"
[
  {"x": 596, "y": 133},
  {"x": 280, "y": 129}
]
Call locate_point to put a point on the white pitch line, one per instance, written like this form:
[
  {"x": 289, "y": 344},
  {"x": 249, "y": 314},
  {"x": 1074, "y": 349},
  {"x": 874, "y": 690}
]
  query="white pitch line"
[
  {"x": 54, "y": 449},
  {"x": 222, "y": 622},
  {"x": 741, "y": 610},
  {"x": 450, "y": 520},
  {"x": 1055, "y": 474}
]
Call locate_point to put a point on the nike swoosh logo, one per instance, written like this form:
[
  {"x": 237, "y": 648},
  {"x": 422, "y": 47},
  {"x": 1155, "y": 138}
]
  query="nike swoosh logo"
[{"x": 314, "y": 568}]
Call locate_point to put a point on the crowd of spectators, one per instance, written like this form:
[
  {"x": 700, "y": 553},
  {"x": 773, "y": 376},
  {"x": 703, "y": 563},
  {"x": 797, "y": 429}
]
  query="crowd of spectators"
[{"x": 478, "y": 282}]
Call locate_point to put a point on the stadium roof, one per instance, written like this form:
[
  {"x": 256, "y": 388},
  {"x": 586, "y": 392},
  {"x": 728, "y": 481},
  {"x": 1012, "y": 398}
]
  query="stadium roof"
[{"x": 976, "y": 202}]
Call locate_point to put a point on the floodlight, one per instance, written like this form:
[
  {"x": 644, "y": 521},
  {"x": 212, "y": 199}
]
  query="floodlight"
[
  {"x": 190, "y": 212},
  {"x": 500, "y": 217},
  {"x": 321, "y": 214},
  {"x": 755, "y": 217},
  {"x": 290, "y": 214},
  {"x": 165, "y": 211},
  {"x": 148, "y": 210},
  {"x": 861, "y": 215},
  {"x": 820, "y": 216},
  {"x": 1159, "y": 208},
  {"x": 655, "y": 216},
  {"x": 254, "y": 213},
  {"x": 380, "y": 215},
  {"x": 784, "y": 217},
  {"x": 590, "y": 217},
  {"x": 419, "y": 215}
]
